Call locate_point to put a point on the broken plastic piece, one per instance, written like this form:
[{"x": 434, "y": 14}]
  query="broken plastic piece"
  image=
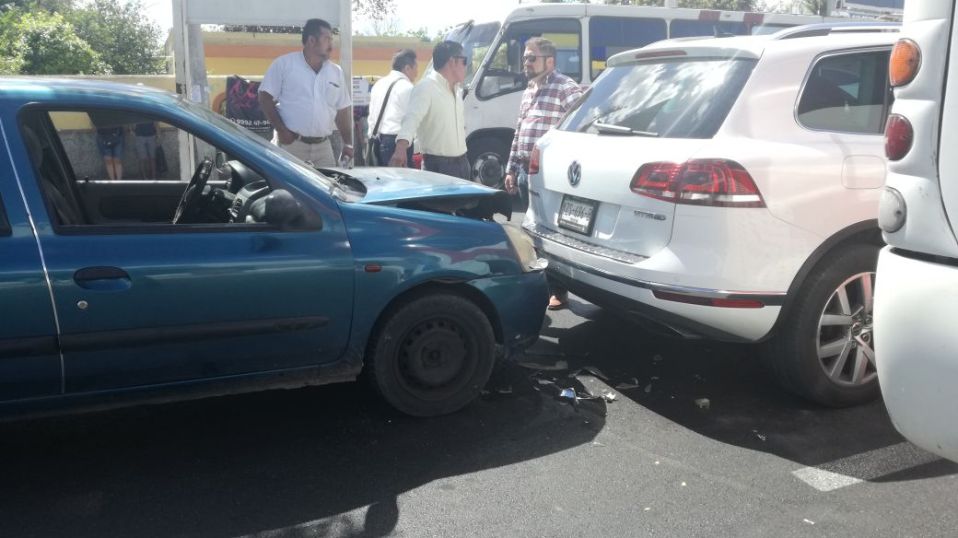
[
  {"x": 505, "y": 390},
  {"x": 630, "y": 384},
  {"x": 558, "y": 365},
  {"x": 568, "y": 394},
  {"x": 609, "y": 396},
  {"x": 703, "y": 403},
  {"x": 648, "y": 388}
]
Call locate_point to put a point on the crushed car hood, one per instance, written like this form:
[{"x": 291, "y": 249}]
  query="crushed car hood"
[{"x": 419, "y": 189}]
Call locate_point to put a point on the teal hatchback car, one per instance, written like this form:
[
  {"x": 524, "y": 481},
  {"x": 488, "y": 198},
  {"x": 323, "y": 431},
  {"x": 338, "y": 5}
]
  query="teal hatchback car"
[{"x": 240, "y": 267}]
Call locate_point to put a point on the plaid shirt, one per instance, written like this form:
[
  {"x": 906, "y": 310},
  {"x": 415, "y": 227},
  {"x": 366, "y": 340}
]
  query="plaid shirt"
[{"x": 542, "y": 108}]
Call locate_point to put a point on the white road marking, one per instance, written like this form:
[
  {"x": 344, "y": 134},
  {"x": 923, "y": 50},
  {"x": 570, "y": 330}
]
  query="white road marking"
[{"x": 865, "y": 466}]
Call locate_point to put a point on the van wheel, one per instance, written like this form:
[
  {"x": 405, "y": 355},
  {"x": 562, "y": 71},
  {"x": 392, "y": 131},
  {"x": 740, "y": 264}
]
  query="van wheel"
[
  {"x": 433, "y": 355},
  {"x": 489, "y": 158},
  {"x": 825, "y": 351}
]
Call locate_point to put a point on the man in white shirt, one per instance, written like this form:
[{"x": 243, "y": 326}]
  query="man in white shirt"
[
  {"x": 305, "y": 97},
  {"x": 404, "y": 71},
  {"x": 435, "y": 116}
]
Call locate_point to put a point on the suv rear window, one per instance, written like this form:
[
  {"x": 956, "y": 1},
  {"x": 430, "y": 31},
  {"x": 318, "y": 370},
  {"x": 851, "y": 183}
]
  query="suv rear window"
[{"x": 670, "y": 99}]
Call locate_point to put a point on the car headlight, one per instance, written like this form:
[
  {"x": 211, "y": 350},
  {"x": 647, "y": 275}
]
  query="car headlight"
[{"x": 524, "y": 249}]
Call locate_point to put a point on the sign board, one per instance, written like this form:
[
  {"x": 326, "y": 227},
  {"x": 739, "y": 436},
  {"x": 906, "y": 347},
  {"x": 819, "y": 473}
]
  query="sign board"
[
  {"x": 360, "y": 91},
  {"x": 271, "y": 13}
]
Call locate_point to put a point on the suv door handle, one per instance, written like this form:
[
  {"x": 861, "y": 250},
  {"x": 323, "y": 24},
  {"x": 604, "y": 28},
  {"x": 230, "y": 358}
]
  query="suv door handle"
[{"x": 102, "y": 278}]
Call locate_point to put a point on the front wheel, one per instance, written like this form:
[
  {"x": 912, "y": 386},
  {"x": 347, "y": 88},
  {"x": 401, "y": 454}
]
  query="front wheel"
[
  {"x": 489, "y": 158},
  {"x": 825, "y": 352},
  {"x": 433, "y": 355}
]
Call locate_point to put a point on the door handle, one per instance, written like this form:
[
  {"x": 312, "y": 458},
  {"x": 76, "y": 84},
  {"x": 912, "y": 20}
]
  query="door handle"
[{"x": 103, "y": 278}]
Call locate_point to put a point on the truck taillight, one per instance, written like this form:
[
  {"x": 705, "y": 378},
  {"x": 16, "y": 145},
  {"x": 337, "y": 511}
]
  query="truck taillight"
[
  {"x": 711, "y": 182},
  {"x": 534, "y": 161},
  {"x": 898, "y": 137},
  {"x": 904, "y": 62}
]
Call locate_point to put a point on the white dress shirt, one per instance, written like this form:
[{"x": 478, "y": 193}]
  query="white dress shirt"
[
  {"x": 396, "y": 107},
  {"x": 307, "y": 101},
  {"x": 435, "y": 118}
]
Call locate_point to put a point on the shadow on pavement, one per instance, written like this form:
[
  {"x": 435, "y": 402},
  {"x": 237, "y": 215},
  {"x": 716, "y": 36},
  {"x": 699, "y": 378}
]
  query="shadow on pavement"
[
  {"x": 722, "y": 391},
  {"x": 265, "y": 463}
]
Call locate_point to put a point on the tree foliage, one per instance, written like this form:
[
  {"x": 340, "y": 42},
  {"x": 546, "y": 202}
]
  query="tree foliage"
[
  {"x": 47, "y": 44},
  {"x": 125, "y": 40},
  {"x": 72, "y": 37}
]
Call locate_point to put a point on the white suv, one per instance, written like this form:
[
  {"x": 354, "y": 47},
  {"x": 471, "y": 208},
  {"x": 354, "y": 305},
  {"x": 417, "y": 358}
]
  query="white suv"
[
  {"x": 916, "y": 300},
  {"x": 728, "y": 188}
]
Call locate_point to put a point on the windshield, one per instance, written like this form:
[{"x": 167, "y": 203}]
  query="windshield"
[
  {"x": 475, "y": 40},
  {"x": 686, "y": 98},
  {"x": 278, "y": 153}
]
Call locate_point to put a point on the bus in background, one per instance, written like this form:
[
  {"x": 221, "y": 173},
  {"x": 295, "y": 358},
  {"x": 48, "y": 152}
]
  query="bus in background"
[
  {"x": 585, "y": 36},
  {"x": 916, "y": 286}
]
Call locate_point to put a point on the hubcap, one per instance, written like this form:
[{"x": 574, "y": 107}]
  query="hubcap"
[
  {"x": 488, "y": 169},
  {"x": 433, "y": 354},
  {"x": 846, "y": 348}
]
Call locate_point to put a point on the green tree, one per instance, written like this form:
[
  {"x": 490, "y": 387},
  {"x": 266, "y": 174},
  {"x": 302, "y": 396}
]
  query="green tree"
[
  {"x": 124, "y": 38},
  {"x": 725, "y": 5},
  {"x": 816, "y": 7},
  {"x": 47, "y": 44}
]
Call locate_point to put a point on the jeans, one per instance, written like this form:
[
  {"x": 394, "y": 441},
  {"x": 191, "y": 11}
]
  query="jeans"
[
  {"x": 451, "y": 166},
  {"x": 387, "y": 145}
]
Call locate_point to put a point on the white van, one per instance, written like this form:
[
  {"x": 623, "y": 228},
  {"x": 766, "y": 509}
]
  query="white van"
[
  {"x": 585, "y": 36},
  {"x": 916, "y": 292}
]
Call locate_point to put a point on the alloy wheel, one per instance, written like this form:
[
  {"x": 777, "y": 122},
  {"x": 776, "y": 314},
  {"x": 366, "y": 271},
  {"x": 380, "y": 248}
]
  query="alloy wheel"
[{"x": 846, "y": 344}]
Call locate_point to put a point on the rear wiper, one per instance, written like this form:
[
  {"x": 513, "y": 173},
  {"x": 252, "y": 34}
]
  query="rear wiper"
[{"x": 608, "y": 128}]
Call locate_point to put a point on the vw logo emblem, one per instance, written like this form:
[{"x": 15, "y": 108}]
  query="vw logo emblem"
[{"x": 575, "y": 173}]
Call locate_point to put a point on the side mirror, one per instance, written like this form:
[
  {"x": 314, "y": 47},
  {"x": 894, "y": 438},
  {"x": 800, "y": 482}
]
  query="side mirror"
[
  {"x": 465, "y": 91},
  {"x": 284, "y": 211}
]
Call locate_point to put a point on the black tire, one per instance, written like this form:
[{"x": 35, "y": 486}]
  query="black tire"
[
  {"x": 793, "y": 354},
  {"x": 488, "y": 160},
  {"x": 432, "y": 355}
]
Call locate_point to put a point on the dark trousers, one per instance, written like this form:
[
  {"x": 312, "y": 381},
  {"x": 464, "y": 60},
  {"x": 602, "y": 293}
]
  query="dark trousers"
[
  {"x": 451, "y": 166},
  {"x": 387, "y": 145}
]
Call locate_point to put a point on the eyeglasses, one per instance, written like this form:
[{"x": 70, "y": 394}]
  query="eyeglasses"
[
  {"x": 463, "y": 58},
  {"x": 531, "y": 58}
]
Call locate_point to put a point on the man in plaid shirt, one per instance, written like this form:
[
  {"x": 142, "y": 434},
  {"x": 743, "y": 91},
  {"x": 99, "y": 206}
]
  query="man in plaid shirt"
[{"x": 548, "y": 97}]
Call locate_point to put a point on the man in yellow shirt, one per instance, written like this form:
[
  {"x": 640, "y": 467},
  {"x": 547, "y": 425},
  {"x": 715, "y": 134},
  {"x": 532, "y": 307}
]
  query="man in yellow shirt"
[{"x": 435, "y": 117}]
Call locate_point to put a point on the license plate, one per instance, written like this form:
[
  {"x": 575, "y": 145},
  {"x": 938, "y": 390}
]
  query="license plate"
[{"x": 577, "y": 214}]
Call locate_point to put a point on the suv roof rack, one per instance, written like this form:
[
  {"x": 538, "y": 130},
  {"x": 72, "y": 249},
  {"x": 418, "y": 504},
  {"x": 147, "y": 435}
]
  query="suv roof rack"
[{"x": 826, "y": 28}]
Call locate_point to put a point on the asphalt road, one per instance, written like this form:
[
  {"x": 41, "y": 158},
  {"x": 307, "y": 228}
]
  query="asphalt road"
[{"x": 333, "y": 461}]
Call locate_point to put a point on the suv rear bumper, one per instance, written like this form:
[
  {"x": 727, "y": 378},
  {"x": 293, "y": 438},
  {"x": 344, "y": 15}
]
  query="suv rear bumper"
[
  {"x": 915, "y": 341},
  {"x": 637, "y": 299}
]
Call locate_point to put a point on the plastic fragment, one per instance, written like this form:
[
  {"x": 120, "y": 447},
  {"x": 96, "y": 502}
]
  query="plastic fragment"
[
  {"x": 505, "y": 390},
  {"x": 648, "y": 388},
  {"x": 568, "y": 394},
  {"x": 683, "y": 484},
  {"x": 558, "y": 365},
  {"x": 809, "y": 521},
  {"x": 703, "y": 403},
  {"x": 630, "y": 384}
]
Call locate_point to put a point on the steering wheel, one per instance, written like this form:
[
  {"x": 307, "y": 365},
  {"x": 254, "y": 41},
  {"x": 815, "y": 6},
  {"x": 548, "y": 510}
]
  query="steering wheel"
[{"x": 194, "y": 190}]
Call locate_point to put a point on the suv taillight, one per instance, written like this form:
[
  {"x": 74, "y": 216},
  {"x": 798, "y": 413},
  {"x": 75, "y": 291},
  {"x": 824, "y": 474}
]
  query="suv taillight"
[
  {"x": 898, "y": 137},
  {"x": 712, "y": 182},
  {"x": 534, "y": 160},
  {"x": 904, "y": 62}
]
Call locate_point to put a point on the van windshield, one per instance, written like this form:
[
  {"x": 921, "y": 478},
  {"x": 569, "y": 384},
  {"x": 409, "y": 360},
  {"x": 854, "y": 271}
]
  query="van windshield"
[
  {"x": 687, "y": 98},
  {"x": 475, "y": 40}
]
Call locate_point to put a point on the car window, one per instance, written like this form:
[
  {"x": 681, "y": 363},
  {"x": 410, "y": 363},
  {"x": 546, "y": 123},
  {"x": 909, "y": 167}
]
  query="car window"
[
  {"x": 847, "y": 93},
  {"x": 671, "y": 99},
  {"x": 117, "y": 169},
  {"x": 611, "y": 35},
  {"x": 504, "y": 74},
  {"x": 695, "y": 28}
]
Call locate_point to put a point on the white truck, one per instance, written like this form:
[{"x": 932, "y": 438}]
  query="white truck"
[
  {"x": 916, "y": 287},
  {"x": 585, "y": 35}
]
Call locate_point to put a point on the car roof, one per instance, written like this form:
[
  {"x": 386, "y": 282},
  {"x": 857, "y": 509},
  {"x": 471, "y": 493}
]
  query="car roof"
[
  {"x": 51, "y": 89},
  {"x": 810, "y": 38}
]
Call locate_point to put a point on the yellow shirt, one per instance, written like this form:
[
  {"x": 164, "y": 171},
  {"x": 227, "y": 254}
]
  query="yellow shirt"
[{"x": 435, "y": 118}]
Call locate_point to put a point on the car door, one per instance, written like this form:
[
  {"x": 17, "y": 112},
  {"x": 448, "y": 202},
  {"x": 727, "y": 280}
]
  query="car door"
[
  {"x": 29, "y": 354},
  {"x": 145, "y": 302}
]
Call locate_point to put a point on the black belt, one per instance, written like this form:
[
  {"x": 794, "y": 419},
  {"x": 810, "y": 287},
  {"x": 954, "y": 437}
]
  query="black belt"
[
  {"x": 442, "y": 157},
  {"x": 313, "y": 139}
]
